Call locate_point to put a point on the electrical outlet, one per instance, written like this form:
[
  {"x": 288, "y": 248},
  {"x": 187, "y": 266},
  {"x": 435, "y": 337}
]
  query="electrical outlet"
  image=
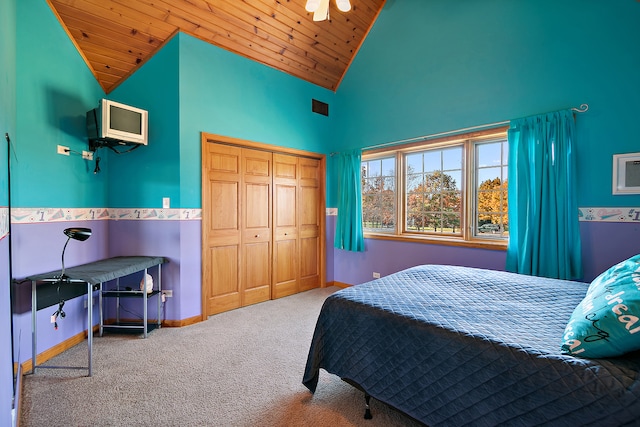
[
  {"x": 376, "y": 275},
  {"x": 63, "y": 150},
  {"x": 168, "y": 293},
  {"x": 87, "y": 155},
  {"x": 166, "y": 203}
]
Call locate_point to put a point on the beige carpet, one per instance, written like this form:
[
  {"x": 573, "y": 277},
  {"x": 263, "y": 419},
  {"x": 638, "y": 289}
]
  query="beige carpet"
[{"x": 240, "y": 368}]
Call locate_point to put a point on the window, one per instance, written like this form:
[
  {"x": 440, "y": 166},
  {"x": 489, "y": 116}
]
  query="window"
[{"x": 452, "y": 189}]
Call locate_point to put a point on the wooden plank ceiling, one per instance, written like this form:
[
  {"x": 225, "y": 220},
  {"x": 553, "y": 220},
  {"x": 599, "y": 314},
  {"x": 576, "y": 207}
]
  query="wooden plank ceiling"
[{"x": 115, "y": 37}]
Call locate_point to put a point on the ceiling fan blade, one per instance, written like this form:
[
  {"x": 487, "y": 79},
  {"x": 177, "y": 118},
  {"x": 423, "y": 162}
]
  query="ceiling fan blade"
[{"x": 322, "y": 12}]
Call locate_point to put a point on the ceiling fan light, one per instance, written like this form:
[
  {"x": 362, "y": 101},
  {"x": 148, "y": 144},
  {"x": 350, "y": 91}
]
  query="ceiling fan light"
[
  {"x": 343, "y": 5},
  {"x": 312, "y": 5}
]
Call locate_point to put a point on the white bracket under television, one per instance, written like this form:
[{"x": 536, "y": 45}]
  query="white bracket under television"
[{"x": 113, "y": 124}]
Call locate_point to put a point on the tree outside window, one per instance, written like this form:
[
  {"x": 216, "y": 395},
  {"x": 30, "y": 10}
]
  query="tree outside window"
[{"x": 451, "y": 189}]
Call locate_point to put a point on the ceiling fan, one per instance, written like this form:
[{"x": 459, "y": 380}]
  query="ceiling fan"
[{"x": 320, "y": 8}]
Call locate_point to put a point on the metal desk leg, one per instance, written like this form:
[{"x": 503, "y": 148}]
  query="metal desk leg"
[
  {"x": 90, "y": 324},
  {"x": 34, "y": 335},
  {"x": 118, "y": 302},
  {"x": 159, "y": 296},
  {"x": 100, "y": 309},
  {"x": 145, "y": 300}
]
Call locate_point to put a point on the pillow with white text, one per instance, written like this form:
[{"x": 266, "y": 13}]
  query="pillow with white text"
[{"x": 607, "y": 321}]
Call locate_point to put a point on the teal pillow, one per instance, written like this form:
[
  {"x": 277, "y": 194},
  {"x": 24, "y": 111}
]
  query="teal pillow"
[{"x": 607, "y": 321}]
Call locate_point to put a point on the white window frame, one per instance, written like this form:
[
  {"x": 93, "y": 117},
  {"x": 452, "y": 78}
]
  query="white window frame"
[{"x": 467, "y": 236}]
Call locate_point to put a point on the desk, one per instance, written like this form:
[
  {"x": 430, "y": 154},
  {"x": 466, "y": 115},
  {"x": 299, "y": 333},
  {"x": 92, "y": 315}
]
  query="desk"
[{"x": 92, "y": 275}]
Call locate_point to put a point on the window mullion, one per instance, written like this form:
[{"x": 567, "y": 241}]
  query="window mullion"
[
  {"x": 401, "y": 194},
  {"x": 469, "y": 184}
]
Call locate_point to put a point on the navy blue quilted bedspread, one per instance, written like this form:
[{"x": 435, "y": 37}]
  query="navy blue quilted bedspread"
[{"x": 458, "y": 346}]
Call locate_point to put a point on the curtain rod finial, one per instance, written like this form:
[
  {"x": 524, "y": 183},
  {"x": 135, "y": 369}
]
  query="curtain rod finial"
[{"x": 582, "y": 109}]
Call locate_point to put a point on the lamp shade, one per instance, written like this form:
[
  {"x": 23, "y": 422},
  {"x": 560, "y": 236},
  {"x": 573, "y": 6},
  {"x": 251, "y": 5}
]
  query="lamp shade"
[{"x": 78, "y": 233}]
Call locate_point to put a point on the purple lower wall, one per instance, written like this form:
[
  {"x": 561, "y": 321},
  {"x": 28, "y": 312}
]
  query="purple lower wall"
[
  {"x": 190, "y": 269},
  {"x": 330, "y": 231},
  {"x": 607, "y": 243},
  {"x": 6, "y": 362},
  {"x": 603, "y": 245},
  {"x": 386, "y": 257},
  {"x": 179, "y": 241},
  {"x": 37, "y": 248}
]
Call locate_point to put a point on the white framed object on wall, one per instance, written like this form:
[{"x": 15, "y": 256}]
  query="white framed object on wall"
[{"x": 626, "y": 173}]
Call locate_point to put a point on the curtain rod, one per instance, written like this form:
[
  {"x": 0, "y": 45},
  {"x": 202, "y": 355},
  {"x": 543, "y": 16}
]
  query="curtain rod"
[{"x": 582, "y": 109}]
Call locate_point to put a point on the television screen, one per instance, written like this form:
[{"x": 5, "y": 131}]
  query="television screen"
[{"x": 125, "y": 120}]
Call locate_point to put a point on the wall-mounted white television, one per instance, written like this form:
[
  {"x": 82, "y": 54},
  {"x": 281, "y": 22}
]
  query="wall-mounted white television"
[{"x": 114, "y": 123}]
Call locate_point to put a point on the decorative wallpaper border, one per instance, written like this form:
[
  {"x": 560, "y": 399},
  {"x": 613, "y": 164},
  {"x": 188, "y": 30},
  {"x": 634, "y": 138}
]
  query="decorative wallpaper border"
[
  {"x": 39, "y": 215},
  {"x": 610, "y": 214},
  {"x": 4, "y": 221}
]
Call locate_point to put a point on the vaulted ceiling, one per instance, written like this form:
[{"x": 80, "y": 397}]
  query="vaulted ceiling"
[{"x": 116, "y": 37}]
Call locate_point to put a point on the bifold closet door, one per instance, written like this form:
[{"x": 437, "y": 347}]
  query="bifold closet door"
[
  {"x": 237, "y": 205},
  {"x": 286, "y": 275},
  {"x": 310, "y": 209},
  {"x": 297, "y": 206},
  {"x": 256, "y": 226}
]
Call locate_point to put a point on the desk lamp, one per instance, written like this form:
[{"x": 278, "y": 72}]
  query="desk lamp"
[{"x": 77, "y": 233}]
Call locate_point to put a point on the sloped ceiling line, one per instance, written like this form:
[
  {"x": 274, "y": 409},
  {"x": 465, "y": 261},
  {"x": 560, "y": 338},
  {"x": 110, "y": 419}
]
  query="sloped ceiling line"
[{"x": 115, "y": 37}]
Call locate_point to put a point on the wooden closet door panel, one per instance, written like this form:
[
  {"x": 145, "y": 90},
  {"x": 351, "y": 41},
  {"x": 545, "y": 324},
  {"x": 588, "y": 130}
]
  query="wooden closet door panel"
[
  {"x": 222, "y": 251},
  {"x": 224, "y": 208},
  {"x": 286, "y": 274},
  {"x": 286, "y": 198},
  {"x": 309, "y": 239},
  {"x": 309, "y": 263},
  {"x": 310, "y": 211},
  {"x": 257, "y": 271},
  {"x": 256, "y": 229},
  {"x": 285, "y": 268},
  {"x": 222, "y": 277}
]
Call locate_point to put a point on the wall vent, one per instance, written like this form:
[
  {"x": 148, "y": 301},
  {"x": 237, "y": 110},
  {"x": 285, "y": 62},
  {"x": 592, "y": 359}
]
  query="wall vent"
[{"x": 319, "y": 107}]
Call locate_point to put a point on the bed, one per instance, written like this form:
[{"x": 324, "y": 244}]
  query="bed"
[{"x": 458, "y": 346}]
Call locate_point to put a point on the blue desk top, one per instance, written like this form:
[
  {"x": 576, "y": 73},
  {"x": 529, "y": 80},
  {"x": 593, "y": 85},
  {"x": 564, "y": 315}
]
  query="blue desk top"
[{"x": 104, "y": 270}]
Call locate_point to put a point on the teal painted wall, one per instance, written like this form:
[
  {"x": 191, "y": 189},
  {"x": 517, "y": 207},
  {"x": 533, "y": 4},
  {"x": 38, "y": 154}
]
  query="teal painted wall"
[
  {"x": 191, "y": 87},
  {"x": 226, "y": 94},
  {"x": 431, "y": 66},
  {"x": 7, "y": 87},
  {"x": 141, "y": 178},
  {"x": 54, "y": 89}
]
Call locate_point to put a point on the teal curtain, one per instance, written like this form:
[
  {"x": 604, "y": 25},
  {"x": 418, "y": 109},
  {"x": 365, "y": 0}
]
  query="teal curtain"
[
  {"x": 349, "y": 235},
  {"x": 544, "y": 234}
]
